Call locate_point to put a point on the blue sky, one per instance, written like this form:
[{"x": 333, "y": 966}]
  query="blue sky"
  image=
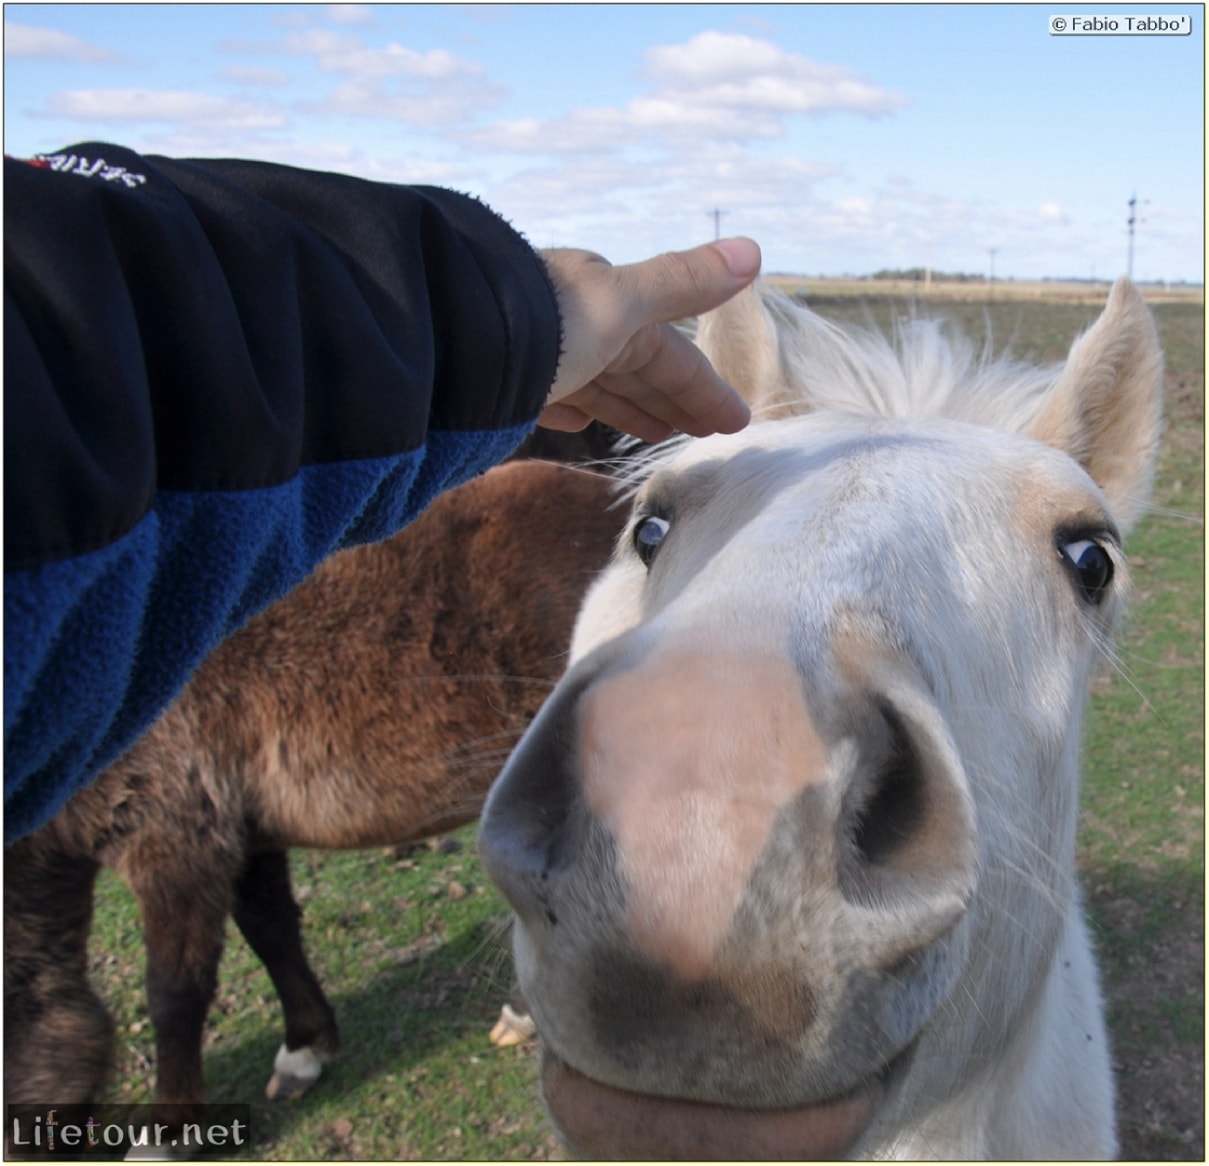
[{"x": 845, "y": 138}]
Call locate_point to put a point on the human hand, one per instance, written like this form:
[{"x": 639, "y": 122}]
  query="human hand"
[{"x": 623, "y": 362}]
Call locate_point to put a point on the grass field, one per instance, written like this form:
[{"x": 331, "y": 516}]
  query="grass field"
[{"x": 412, "y": 947}]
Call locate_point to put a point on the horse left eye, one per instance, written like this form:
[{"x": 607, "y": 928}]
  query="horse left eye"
[
  {"x": 1092, "y": 567},
  {"x": 648, "y": 537}
]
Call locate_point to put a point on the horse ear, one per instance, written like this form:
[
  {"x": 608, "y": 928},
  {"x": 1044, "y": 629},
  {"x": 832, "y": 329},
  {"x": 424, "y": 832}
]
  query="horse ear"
[
  {"x": 1106, "y": 409},
  {"x": 740, "y": 339}
]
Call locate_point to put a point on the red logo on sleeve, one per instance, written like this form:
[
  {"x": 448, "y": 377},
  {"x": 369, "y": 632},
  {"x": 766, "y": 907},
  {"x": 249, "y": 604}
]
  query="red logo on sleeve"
[{"x": 86, "y": 168}]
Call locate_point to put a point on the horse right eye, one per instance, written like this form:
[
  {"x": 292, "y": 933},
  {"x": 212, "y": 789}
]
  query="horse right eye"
[
  {"x": 1091, "y": 566},
  {"x": 648, "y": 537}
]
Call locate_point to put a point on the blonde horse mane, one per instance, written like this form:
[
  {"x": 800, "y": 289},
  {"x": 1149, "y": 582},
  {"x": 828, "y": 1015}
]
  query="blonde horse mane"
[{"x": 924, "y": 368}]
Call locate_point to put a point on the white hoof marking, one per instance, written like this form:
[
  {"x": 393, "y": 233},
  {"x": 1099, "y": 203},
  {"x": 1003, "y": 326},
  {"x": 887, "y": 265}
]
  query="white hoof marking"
[
  {"x": 511, "y": 1028},
  {"x": 293, "y": 1072}
]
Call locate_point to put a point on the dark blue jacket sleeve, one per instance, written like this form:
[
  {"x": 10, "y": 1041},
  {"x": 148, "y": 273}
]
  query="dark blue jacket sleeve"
[{"x": 217, "y": 373}]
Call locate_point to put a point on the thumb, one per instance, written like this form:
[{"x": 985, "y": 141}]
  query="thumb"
[{"x": 687, "y": 283}]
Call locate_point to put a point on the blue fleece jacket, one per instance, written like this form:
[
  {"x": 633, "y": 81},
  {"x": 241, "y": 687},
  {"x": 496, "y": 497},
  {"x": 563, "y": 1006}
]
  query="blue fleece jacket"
[{"x": 216, "y": 374}]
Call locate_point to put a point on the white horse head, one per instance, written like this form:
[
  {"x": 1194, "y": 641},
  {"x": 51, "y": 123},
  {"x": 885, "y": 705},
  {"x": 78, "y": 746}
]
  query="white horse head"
[{"x": 791, "y": 846}]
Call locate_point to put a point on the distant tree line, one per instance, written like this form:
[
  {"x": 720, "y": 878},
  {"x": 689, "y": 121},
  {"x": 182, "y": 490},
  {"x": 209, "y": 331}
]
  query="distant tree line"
[{"x": 920, "y": 274}]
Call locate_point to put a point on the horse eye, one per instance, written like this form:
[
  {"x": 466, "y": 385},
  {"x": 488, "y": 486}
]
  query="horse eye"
[
  {"x": 1092, "y": 567},
  {"x": 649, "y": 535}
]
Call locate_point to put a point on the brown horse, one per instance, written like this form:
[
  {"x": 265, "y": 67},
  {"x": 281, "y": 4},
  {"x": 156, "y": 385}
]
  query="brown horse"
[{"x": 373, "y": 705}]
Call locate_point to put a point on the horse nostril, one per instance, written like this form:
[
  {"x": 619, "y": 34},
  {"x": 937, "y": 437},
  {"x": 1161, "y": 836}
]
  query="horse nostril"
[
  {"x": 907, "y": 834},
  {"x": 532, "y": 817},
  {"x": 891, "y": 806}
]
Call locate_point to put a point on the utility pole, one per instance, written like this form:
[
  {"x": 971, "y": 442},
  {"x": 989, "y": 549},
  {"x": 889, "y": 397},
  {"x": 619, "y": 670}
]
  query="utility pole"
[
  {"x": 717, "y": 217},
  {"x": 1133, "y": 219}
]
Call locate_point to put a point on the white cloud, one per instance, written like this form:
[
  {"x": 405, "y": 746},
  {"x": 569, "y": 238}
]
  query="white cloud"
[
  {"x": 725, "y": 85},
  {"x": 340, "y": 53},
  {"x": 316, "y": 154},
  {"x": 711, "y": 57},
  {"x": 715, "y": 87},
  {"x": 48, "y": 44},
  {"x": 729, "y": 70},
  {"x": 252, "y": 75},
  {"x": 320, "y": 42},
  {"x": 458, "y": 173},
  {"x": 653, "y": 168},
  {"x": 170, "y": 105},
  {"x": 628, "y": 205},
  {"x": 398, "y": 61},
  {"x": 423, "y": 89},
  {"x": 742, "y": 183},
  {"x": 587, "y": 131},
  {"x": 424, "y": 108},
  {"x": 1029, "y": 220},
  {"x": 604, "y": 185},
  {"x": 351, "y": 14}
]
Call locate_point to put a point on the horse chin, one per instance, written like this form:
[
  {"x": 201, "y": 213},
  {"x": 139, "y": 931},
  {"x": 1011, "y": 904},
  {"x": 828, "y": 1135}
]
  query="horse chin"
[{"x": 603, "y": 1121}]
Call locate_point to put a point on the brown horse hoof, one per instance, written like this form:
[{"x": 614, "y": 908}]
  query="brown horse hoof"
[{"x": 294, "y": 1073}]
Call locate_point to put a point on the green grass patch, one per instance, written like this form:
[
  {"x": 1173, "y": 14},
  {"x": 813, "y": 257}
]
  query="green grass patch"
[{"x": 413, "y": 953}]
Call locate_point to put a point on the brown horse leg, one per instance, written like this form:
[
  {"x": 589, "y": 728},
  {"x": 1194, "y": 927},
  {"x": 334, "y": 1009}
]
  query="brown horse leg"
[
  {"x": 183, "y": 932},
  {"x": 58, "y": 1036},
  {"x": 269, "y": 918}
]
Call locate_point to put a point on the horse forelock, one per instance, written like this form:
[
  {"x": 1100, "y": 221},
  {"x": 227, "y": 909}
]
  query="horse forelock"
[{"x": 926, "y": 367}]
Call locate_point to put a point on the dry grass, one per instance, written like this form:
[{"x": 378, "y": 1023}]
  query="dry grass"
[{"x": 941, "y": 292}]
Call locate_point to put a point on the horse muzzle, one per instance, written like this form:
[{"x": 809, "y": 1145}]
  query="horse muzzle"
[{"x": 736, "y": 906}]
